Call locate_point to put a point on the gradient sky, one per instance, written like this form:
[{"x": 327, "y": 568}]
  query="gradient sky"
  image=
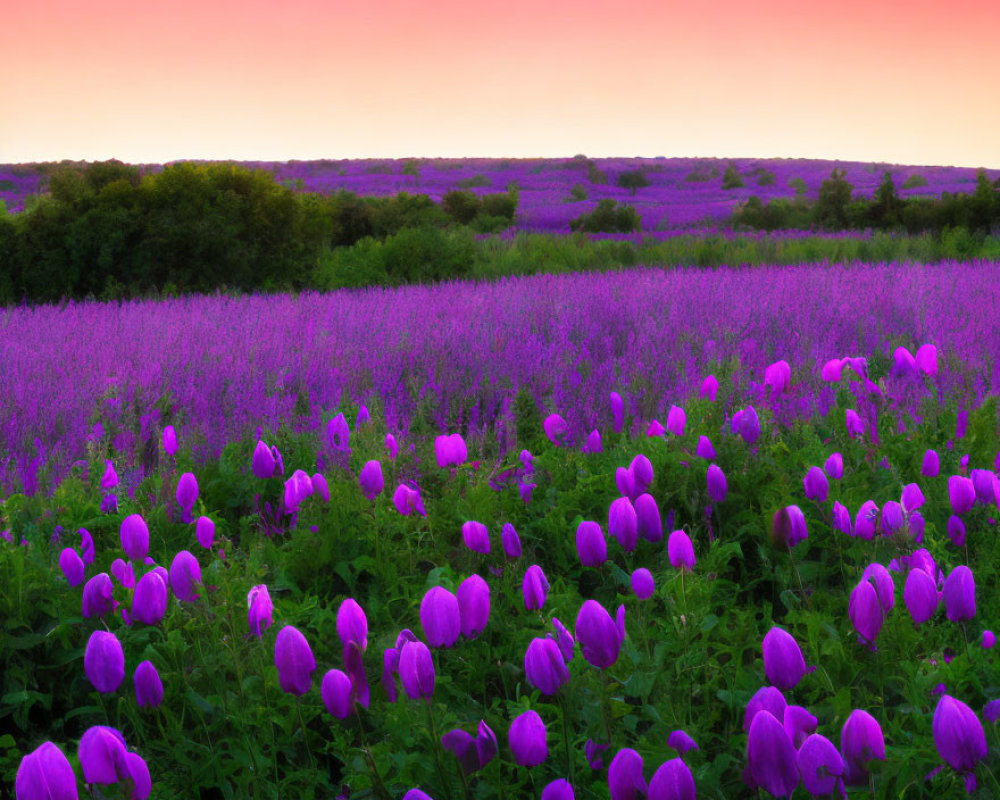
[{"x": 914, "y": 82}]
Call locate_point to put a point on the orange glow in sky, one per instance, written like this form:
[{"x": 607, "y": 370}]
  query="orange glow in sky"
[{"x": 153, "y": 81}]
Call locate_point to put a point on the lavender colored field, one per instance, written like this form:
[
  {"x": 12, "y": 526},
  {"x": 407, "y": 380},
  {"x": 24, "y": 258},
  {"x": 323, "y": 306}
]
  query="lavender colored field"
[
  {"x": 673, "y": 203},
  {"x": 453, "y": 357}
]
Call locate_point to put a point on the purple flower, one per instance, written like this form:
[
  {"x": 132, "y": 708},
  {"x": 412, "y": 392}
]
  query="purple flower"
[
  {"x": 820, "y": 765},
  {"x": 294, "y": 661},
  {"x": 960, "y": 594},
  {"x": 920, "y": 596},
  {"x": 149, "y": 603},
  {"x": 956, "y": 530},
  {"x": 592, "y": 750},
  {"x": 297, "y": 488},
  {"x": 771, "y": 756},
  {"x": 817, "y": 487},
  {"x": 884, "y": 587},
  {"x": 544, "y": 666},
  {"x": 187, "y": 491},
  {"x": 642, "y": 583},
  {"x": 72, "y": 566},
  {"x": 262, "y": 463},
  {"x": 564, "y": 639},
  {"x": 103, "y": 756},
  {"x": 830, "y": 372},
  {"x": 476, "y": 537},
  {"x": 841, "y": 518},
  {"x": 527, "y": 739},
  {"x": 647, "y": 517},
  {"x": 959, "y": 737},
  {"x": 704, "y": 448},
  {"x": 134, "y": 536},
  {"x": 170, "y": 440},
  {"x": 260, "y": 610},
  {"x": 746, "y": 424},
  {"x": 893, "y": 518},
  {"x": 991, "y": 711},
  {"x": 617, "y": 411},
  {"x": 709, "y": 388},
  {"x": 556, "y": 429},
  {"x": 866, "y": 520},
  {"x": 767, "y": 699},
  {"x": 338, "y": 434},
  {"x": 97, "y": 596},
  {"x": 391, "y": 446},
  {"x": 798, "y": 724},
  {"x": 352, "y": 625},
  {"x": 598, "y": 635},
  {"x": 625, "y": 778},
  {"x": 982, "y": 482},
  {"x": 185, "y": 576},
  {"x": 104, "y": 661},
  {"x": 559, "y": 789},
  {"x": 625, "y": 482},
  {"x": 641, "y": 469},
  {"x": 834, "y": 466},
  {"x": 655, "y": 429},
  {"x": 855, "y": 427},
  {"x": 45, "y": 774},
  {"x": 416, "y": 794},
  {"x": 623, "y": 524},
  {"x": 931, "y": 465},
  {"x": 148, "y": 686},
  {"x": 591, "y": 547},
  {"x": 961, "y": 493},
  {"x": 676, "y": 420},
  {"x": 535, "y": 588},
  {"x": 784, "y": 665},
  {"x": 861, "y": 742},
  {"x": 337, "y": 692},
  {"x": 371, "y": 480},
  {"x": 672, "y": 781},
  {"x": 865, "y": 612},
  {"x": 407, "y": 499},
  {"x": 788, "y": 527},
  {"x": 681, "y": 742},
  {"x": 989, "y": 640},
  {"x": 926, "y": 359},
  {"x": 510, "y": 541},
  {"x": 592, "y": 445},
  {"x": 440, "y": 617},
  {"x": 204, "y": 532},
  {"x": 716, "y": 480},
  {"x": 473, "y": 597},
  {"x": 680, "y": 551}
]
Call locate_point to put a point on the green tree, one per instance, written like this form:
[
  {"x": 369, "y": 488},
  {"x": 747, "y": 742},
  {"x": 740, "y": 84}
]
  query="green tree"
[
  {"x": 834, "y": 197},
  {"x": 633, "y": 179},
  {"x": 608, "y": 217},
  {"x": 886, "y": 204},
  {"x": 731, "y": 178},
  {"x": 984, "y": 206},
  {"x": 463, "y": 207}
]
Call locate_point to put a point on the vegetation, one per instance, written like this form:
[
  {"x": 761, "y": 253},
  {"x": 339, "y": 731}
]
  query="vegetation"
[{"x": 633, "y": 179}]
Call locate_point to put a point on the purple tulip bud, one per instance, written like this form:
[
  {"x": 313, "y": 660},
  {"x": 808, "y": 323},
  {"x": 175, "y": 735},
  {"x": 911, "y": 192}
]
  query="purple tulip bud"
[
  {"x": 961, "y": 493},
  {"x": 767, "y": 699},
  {"x": 798, "y": 724},
  {"x": 103, "y": 756},
  {"x": 104, "y": 661},
  {"x": 535, "y": 588},
  {"x": 865, "y": 612},
  {"x": 187, "y": 491},
  {"x": 709, "y": 388},
  {"x": 884, "y": 587},
  {"x": 625, "y": 482},
  {"x": 830, "y": 371},
  {"x": 407, "y": 500},
  {"x": 440, "y": 617},
  {"x": 647, "y": 516},
  {"x": 784, "y": 665},
  {"x": 364, "y": 416},
  {"x": 861, "y": 742},
  {"x": 416, "y": 794},
  {"x": 672, "y": 781},
  {"x": 680, "y": 551},
  {"x": 294, "y": 661},
  {"x": 593, "y": 443},
  {"x": 598, "y": 635},
  {"x": 866, "y": 520},
  {"x": 625, "y": 778},
  {"x": 185, "y": 576},
  {"x": 486, "y": 744},
  {"x": 591, "y": 547},
  {"x": 262, "y": 463},
  {"x": 559, "y": 789},
  {"x": 655, "y": 429},
  {"x": 473, "y": 597},
  {"x": 991, "y": 711},
  {"x": 86, "y": 546},
  {"x": 931, "y": 466},
  {"x": 123, "y": 573},
  {"x": 912, "y": 497},
  {"x": 72, "y": 566},
  {"x": 337, "y": 693},
  {"x": 989, "y": 640},
  {"x": 97, "y": 596},
  {"x": 416, "y": 670},
  {"x": 149, "y": 603},
  {"x": 449, "y": 452},
  {"x": 704, "y": 448},
  {"x": 642, "y": 473},
  {"x": 982, "y": 482},
  {"x": 676, "y": 420},
  {"x": 920, "y": 595},
  {"x": 960, "y": 594},
  {"x": 789, "y": 527},
  {"x": 204, "y": 531},
  {"x": 463, "y": 746},
  {"x": 617, "y": 411},
  {"x": 476, "y": 537},
  {"x": 148, "y": 686},
  {"x": 834, "y": 466},
  {"x": 352, "y": 625},
  {"x": 45, "y": 774},
  {"x": 260, "y": 610},
  {"x": 510, "y": 541},
  {"x": 748, "y": 427},
  {"x": 338, "y": 435},
  {"x": 771, "y": 756},
  {"x": 527, "y": 739},
  {"x": 841, "y": 518},
  {"x": 716, "y": 480},
  {"x": 820, "y": 765},
  {"x": 642, "y": 583},
  {"x": 926, "y": 359},
  {"x": 859, "y": 366},
  {"x": 816, "y": 485},
  {"x": 134, "y": 535},
  {"x": 391, "y": 446},
  {"x": 170, "y": 440},
  {"x": 681, "y": 742},
  {"x": 778, "y": 376},
  {"x": 320, "y": 487},
  {"x": 279, "y": 465},
  {"x": 903, "y": 362},
  {"x": 855, "y": 427},
  {"x": 959, "y": 737},
  {"x": 592, "y": 750},
  {"x": 564, "y": 639},
  {"x": 556, "y": 429},
  {"x": 544, "y": 666},
  {"x": 956, "y": 530},
  {"x": 623, "y": 524}
]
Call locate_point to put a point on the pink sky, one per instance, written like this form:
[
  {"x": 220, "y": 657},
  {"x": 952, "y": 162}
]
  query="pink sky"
[{"x": 153, "y": 81}]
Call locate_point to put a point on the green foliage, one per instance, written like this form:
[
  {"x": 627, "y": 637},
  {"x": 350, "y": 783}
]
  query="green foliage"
[
  {"x": 832, "y": 201},
  {"x": 578, "y": 193},
  {"x": 766, "y": 178},
  {"x": 703, "y": 173},
  {"x": 633, "y": 179},
  {"x": 915, "y": 181},
  {"x": 608, "y": 217},
  {"x": 799, "y": 186},
  {"x": 476, "y": 181},
  {"x": 594, "y": 175},
  {"x": 731, "y": 178}
]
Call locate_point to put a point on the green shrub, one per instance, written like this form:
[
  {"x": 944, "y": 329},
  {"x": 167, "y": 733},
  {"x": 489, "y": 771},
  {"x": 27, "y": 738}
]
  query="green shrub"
[
  {"x": 608, "y": 217},
  {"x": 633, "y": 179},
  {"x": 731, "y": 178},
  {"x": 915, "y": 181},
  {"x": 476, "y": 181}
]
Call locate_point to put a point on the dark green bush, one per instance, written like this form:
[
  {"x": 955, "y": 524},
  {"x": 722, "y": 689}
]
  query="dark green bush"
[
  {"x": 608, "y": 217},
  {"x": 633, "y": 179},
  {"x": 731, "y": 178}
]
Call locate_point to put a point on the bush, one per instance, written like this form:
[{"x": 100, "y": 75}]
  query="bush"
[
  {"x": 594, "y": 175},
  {"x": 731, "y": 179},
  {"x": 703, "y": 173},
  {"x": 799, "y": 186},
  {"x": 476, "y": 181},
  {"x": 578, "y": 193},
  {"x": 461, "y": 206},
  {"x": 608, "y": 217},
  {"x": 915, "y": 181},
  {"x": 633, "y": 179},
  {"x": 766, "y": 178}
]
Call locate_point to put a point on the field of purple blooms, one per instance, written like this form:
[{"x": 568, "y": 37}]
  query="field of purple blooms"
[
  {"x": 684, "y": 195},
  {"x": 650, "y": 533}
]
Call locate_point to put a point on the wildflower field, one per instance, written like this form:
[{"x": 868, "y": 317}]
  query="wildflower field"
[{"x": 646, "y": 533}]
